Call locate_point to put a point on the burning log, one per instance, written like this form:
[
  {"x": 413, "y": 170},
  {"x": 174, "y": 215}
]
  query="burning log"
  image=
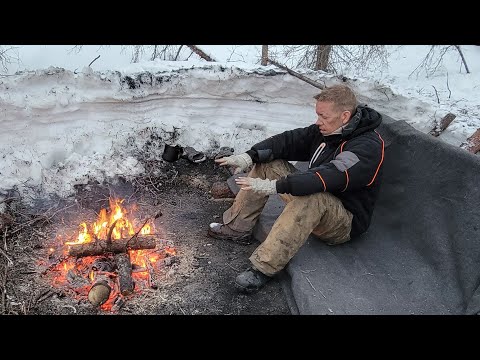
[
  {"x": 101, "y": 247},
  {"x": 124, "y": 273},
  {"x": 99, "y": 292}
]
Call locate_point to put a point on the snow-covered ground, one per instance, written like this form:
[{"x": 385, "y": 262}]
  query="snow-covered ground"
[{"x": 64, "y": 123}]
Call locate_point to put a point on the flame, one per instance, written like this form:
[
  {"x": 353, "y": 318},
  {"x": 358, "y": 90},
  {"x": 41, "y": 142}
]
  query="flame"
[{"x": 116, "y": 224}]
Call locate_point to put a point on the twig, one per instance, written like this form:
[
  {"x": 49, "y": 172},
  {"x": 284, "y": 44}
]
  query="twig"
[
  {"x": 8, "y": 199},
  {"x": 10, "y": 262},
  {"x": 44, "y": 296},
  {"x": 93, "y": 60},
  {"x": 40, "y": 218},
  {"x": 438, "y": 100},
  {"x": 70, "y": 306},
  {"x": 233, "y": 268},
  {"x": 448, "y": 87},
  {"x": 157, "y": 215}
]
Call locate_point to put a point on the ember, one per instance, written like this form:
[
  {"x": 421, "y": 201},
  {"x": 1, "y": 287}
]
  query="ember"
[{"x": 110, "y": 259}]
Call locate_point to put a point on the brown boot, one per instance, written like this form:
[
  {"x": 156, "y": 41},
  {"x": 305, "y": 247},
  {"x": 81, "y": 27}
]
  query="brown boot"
[{"x": 223, "y": 232}]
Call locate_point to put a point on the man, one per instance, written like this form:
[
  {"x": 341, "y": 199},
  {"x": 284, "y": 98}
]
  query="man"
[{"x": 332, "y": 200}]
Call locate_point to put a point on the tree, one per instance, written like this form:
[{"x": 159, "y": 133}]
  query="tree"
[
  {"x": 434, "y": 58},
  {"x": 160, "y": 52},
  {"x": 8, "y": 55},
  {"x": 334, "y": 58}
]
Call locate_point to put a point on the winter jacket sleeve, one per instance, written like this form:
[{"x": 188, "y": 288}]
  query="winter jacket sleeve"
[
  {"x": 355, "y": 166},
  {"x": 290, "y": 145}
]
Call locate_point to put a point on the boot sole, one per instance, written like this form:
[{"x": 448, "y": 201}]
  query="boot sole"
[{"x": 244, "y": 240}]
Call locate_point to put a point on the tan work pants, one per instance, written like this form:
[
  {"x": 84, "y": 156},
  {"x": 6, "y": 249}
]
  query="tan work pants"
[{"x": 321, "y": 214}]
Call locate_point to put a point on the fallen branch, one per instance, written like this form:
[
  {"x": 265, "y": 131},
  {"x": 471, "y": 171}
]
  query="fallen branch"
[
  {"x": 200, "y": 53},
  {"x": 297, "y": 75}
]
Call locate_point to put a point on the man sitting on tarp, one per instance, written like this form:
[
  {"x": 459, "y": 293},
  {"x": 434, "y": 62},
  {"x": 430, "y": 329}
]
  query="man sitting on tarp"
[{"x": 333, "y": 199}]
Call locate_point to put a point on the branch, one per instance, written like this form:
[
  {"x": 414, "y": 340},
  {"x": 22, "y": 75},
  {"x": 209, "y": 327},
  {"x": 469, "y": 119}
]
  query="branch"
[
  {"x": 448, "y": 87},
  {"x": 438, "y": 100},
  {"x": 300, "y": 76},
  {"x": 200, "y": 53},
  {"x": 93, "y": 60},
  {"x": 178, "y": 53},
  {"x": 463, "y": 58}
]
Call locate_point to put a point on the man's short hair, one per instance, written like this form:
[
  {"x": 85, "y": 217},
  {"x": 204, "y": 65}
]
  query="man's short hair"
[{"x": 342, "y": 97}]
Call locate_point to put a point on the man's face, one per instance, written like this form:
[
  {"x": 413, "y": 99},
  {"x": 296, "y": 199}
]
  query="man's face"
[{"x": 329, "y": 119}]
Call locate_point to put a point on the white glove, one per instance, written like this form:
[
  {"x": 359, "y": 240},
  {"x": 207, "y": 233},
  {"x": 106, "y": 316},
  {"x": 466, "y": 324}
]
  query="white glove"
[
  {"x": 267, "y": 186},
  {"x": 240, "y": 162}
]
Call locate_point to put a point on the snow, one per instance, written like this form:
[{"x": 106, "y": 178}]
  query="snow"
[{"x": 64, "y": 123}]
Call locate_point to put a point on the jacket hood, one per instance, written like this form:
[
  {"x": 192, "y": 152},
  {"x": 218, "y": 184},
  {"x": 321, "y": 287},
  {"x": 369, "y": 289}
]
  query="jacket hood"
[{"x": 364, "y": 119}]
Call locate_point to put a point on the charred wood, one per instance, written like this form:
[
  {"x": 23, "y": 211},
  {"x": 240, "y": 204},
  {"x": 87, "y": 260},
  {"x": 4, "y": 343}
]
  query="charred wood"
[
  {"x": 124, "y": 268},
  {"x": 101, "y": 247}
]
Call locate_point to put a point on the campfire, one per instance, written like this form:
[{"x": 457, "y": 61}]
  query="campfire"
[{"x": 110, "y": 259}]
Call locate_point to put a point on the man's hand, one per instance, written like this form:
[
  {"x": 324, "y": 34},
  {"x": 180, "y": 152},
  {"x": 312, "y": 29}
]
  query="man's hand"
[
  {"x": 267, "y": 186},
  {"x": 240, "y": 162}
]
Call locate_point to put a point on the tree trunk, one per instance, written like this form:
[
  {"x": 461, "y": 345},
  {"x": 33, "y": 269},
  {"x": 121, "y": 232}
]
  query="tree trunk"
[
  {"x": 101, "y": 247},
  {"x": 323, "y": 56},
  {"x": 264, "y": 55}
]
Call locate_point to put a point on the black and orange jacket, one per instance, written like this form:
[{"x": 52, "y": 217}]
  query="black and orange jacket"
[{"x": 348, "y": 165}]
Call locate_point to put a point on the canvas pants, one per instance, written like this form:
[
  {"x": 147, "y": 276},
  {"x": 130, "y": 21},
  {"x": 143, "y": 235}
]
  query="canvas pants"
[{"x": 321, "y": 214}]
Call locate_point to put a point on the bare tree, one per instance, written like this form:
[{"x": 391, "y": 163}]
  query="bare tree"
[
  {"x": 434, "y": 58},
  {"x": 8, "y": 55},
  {"x": 335, "y": 58}
]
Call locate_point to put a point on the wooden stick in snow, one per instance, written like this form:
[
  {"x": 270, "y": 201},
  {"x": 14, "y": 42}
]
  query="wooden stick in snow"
[
  {"x": 473, "y": 143},
  {"x": 447, "y": 120}
]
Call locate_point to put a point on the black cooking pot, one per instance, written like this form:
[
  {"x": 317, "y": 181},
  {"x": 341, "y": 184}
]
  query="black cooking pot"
[{"x": 172, "y": 153}]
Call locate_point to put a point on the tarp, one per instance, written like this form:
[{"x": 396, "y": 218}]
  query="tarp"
[{"x": 421, "y": 254}]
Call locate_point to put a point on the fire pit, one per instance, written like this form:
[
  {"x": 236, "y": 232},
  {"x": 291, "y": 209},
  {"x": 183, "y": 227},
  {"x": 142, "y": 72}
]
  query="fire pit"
[{"x": 111, "y": 259}]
